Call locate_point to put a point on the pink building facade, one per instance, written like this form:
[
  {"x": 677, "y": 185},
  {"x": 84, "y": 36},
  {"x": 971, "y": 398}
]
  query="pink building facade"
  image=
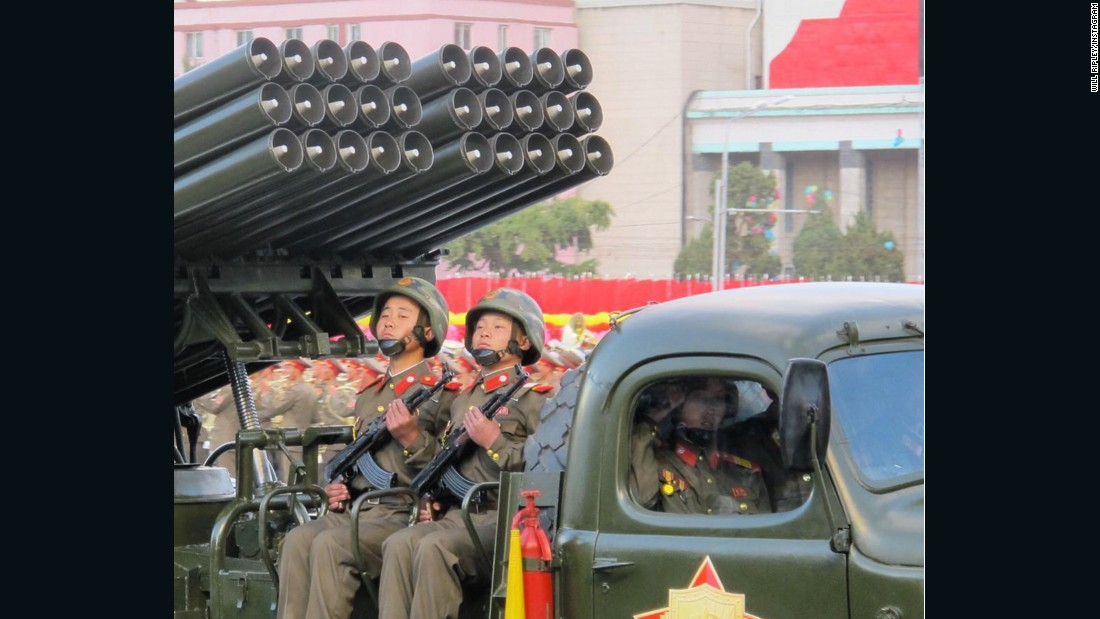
[{"x": 206, "y": 29}]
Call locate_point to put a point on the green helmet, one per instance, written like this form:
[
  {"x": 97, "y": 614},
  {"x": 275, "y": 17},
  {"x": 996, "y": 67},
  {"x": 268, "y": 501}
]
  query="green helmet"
[
  {"x": 429, "y": 298},
  {"x": 521, "y": 307}
]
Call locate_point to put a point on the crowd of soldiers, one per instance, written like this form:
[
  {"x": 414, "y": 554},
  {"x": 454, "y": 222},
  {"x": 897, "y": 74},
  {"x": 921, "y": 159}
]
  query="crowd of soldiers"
[{"x": 304, "y": 393}]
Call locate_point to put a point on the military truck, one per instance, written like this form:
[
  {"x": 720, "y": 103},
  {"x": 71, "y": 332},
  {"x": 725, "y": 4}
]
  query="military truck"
[{"x": 830, "y": 378}]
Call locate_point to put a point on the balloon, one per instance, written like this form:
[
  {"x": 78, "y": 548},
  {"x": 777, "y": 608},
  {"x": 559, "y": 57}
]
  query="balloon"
[
  {"x": 768, "y": 234},
  {"x": 828, "y": 194},
  {"x": 809, "y": 189},
  {"x": 888, "y": 244},
  {"x": 771, "y": 218}
]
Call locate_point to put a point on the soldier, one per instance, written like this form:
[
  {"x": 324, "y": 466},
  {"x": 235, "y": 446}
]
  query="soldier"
[
  {"x": 335, "y": 403},
  {"x": 317, "y": 571},
  {"x": 461, "y": 363},
  {"x": 548, "y": 369},
  {"x": 688, "y": 474},
  {"x": 217, "y": 428},
  {"x": 757, "y": 438},
  {"x": 298, "y": 409},
  {"x": 425, "y": 566}
]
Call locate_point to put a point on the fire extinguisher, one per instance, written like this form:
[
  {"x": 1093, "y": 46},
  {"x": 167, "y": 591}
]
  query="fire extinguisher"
[{"x": 538, "y": 583}]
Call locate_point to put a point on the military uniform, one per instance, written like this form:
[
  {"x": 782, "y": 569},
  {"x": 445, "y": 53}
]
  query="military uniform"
[
  {"x": 226, "y": 425},
  {"x": 336, "y": 407},
  {"x": 297, "y": 410},
  {"x": 758, "y": 438},
  {"x": 317, "y": 572},
  {"x": 441, "y": 553},
  {"x": 680, "y": 477}
]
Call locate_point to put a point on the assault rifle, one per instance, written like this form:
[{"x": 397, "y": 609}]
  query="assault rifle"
[
  {"x": 356, "y": 455},
  {"x": 440, "y": 474}
]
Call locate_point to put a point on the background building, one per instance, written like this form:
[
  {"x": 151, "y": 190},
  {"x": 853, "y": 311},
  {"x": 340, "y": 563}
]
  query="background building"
[{"x": 679, "y": 83}]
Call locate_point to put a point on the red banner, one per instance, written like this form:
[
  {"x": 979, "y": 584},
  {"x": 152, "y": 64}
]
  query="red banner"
[{"x": 563, "y": 295}]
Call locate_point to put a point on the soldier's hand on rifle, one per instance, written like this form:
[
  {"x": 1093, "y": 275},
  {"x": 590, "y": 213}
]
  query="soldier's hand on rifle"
[
  {"x": 401, "y": 423},
  {"x": 338, "y": 496},
  {"x": 482, "y": 430}
]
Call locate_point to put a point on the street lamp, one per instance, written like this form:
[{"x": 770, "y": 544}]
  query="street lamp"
[{"x": 721, "y": 193}]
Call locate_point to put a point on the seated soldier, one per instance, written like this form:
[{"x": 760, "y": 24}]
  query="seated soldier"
[
  {"x": 688, "y": 473},
  {"x": 757, "y": 438}
]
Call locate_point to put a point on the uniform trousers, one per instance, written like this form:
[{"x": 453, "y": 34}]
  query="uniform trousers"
[
  {"x": 318, "y": 577},
  {"x": 426, "y": 565}
]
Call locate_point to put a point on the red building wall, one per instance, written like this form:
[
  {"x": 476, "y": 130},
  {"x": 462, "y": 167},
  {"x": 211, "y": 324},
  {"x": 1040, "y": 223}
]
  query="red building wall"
[{"x": 871, "y": 43}]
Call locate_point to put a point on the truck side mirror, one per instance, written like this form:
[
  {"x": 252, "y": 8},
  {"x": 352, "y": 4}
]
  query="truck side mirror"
[{"x": 803, "y": 405}]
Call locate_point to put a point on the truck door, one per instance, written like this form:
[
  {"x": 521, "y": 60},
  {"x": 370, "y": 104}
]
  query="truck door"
[{"x": 664, "y": 553}]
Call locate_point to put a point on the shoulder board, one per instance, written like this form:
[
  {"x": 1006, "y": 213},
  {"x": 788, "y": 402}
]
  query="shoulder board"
[
  {"x": 542, "y": 388},
  {"x": 429, "y": 379},
  {"x": 370, "y": 384},
  {"x": 454, "y": 385},
  {"x": 528, "y": 386},
  {"x": 742, "y": 462}
]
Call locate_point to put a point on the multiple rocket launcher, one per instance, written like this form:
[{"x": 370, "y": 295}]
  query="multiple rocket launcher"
[{"x": 356, "y": 152}]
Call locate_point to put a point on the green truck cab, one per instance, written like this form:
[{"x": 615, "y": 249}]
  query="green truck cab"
[{"x": 846, "y": 361}]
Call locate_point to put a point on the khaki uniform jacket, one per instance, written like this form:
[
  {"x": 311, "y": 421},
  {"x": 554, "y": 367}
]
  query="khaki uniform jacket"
[
  {"x": 679, "y": 477},
  {"x": 373, "y": 401},
  {"x": 757, "y": 438},
  {"x": 506, "y": 453},
  {"x": 298, "y": 408}
]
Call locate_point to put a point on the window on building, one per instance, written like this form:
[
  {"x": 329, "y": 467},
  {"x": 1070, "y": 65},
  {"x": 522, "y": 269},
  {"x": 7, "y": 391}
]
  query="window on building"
[
  {"x": 462, "y": 35},
  {"x": 194, "y": 45},
  {"x": 355, "y": 32},
  {"x": 294, "y": 33},
  {"x": 332, "y": 33},
  {"x": 243, "y": 36},
  {"x": 502, "y": 38},
  {"x": 542, "y": 37}
]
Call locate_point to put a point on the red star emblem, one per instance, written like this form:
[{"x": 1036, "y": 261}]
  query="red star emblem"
[{"x": 704, "y": 597}]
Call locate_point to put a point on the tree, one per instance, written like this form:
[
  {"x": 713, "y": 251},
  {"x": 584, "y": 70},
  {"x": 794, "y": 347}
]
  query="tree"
[
  {"x": 817, "y": 247},
  {"x": 821, "y": 250},
  {"x": 870, "y": 254},
  {"x": 529, "y": 240},
  {"x": 748, "y": 235}
]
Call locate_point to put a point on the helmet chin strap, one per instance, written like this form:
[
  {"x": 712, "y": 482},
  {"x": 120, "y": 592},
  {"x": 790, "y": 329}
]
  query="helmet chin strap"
[
  {"x": 392, "y": 348},
  {"x": 487, "y": 358},
  {"x": 695, "y": 436}
]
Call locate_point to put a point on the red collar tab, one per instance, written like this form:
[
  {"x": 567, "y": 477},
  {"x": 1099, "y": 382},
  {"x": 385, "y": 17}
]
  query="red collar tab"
[
  {"x": 401, "y": 385},
  {"x": 542, "y": 388},
  {"x": 496, "y": 382},
  {"x": 688, "y": 455},
  {"x": 375, "y": 381}
]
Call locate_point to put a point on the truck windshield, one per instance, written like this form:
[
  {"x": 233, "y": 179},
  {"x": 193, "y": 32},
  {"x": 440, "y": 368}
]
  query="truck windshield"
[{"x": 878, "y": 402}]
